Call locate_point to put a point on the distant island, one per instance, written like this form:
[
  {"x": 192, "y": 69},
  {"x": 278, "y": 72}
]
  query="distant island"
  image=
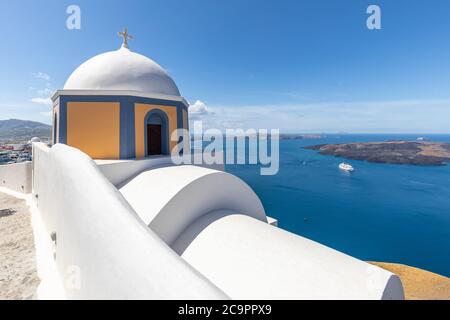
[
  {"x": 394, "y": 152},
  {"x": 297, "y": 136}
]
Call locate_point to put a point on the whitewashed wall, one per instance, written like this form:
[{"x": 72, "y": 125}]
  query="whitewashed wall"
[
  {"x": 217, "y": 223},
  {"x": 16, "y": 176},
  {"x": 119, "y": 171},
  {"x": 249, "y": 259},
  {"x": 103, "y": 249},
  {"x": 169, "y": 199}
]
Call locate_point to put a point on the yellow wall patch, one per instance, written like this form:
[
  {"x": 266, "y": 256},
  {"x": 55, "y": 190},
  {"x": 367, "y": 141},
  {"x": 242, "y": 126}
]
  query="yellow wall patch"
[{"x": 94, "y": 128}]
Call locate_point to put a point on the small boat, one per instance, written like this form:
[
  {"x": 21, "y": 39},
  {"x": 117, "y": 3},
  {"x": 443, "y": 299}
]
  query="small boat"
[{"x": 346, "y": 167}]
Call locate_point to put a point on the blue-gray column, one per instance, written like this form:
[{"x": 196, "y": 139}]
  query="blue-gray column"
[
  {"x": 127, "y": 130},
  {"x": 62, "y": 137}
]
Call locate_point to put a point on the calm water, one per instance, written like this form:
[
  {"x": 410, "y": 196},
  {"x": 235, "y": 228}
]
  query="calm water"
[{"x": 381, "y": 212}]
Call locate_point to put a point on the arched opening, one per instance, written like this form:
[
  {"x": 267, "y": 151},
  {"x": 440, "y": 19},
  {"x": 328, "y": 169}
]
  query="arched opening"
[
  {"x": 55, "y": 128},
  {"x": 157, "y": 133}
]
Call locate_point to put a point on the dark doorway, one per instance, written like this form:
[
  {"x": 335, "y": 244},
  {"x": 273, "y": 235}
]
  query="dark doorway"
[
  {"x": 55, "y": 129},
  {"x": 157, "y": 135},
  {"x": 154, "y": 139}
]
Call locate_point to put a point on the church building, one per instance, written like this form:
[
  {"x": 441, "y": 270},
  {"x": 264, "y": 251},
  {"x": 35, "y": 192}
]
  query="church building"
[{"x": 119, "y": 105}]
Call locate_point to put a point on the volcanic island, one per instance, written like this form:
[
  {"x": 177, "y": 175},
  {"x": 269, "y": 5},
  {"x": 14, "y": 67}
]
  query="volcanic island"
[{"x": 394, "y": 152}]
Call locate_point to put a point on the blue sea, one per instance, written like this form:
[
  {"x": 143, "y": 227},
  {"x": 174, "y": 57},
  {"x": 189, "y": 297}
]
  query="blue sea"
[{"x": 381, "y": 212}]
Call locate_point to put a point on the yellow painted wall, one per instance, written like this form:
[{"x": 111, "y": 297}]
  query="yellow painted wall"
[
  {"x": 140, "y": 111},
  {"x": 94, "y": 128}
]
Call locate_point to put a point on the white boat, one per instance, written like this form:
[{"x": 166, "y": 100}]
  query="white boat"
[{"x": 346, "y": 167}]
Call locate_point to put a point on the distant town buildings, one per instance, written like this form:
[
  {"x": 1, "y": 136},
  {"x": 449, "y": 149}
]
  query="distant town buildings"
[{"x": 16, "y": 152}]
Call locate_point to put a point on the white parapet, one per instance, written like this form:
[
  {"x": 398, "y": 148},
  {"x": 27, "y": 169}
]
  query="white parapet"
[
  {"x": 249, "y": 259},
  {"x": 103, "y": 250},
  {"x": 16, "y": 176},
  {"x": 169, "y": 199},
  {"x": 217, "y": 223},
  {"x": 119, "y": 171}
]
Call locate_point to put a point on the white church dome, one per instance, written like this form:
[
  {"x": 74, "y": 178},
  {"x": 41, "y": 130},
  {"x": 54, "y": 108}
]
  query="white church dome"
[
  {"x": 122, "y": 70},
  {"x": 34, "y": 139}
]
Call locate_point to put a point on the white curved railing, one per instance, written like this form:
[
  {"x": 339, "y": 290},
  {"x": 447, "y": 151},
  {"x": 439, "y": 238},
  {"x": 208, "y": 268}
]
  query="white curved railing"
[
  {"x": 103, "y": 250},
  {"x": 120, "y": 171},
  {"x": 248, "y": 259},
  {"x": 217, "y": 223},
  {"x": 169, "y": 199}
]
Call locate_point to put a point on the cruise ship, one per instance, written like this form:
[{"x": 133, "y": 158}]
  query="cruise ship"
[{"x": 346, "y": 167}]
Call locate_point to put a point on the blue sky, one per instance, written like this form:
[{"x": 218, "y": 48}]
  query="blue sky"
[{"x": 301, "y": 66}]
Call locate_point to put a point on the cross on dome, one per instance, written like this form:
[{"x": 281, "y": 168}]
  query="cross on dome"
[
  {"x": 126, "y": 36},
  {"x": 124, "y": 70}
]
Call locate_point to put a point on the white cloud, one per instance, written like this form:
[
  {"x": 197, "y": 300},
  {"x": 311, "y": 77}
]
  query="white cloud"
[
  {"x": 44, "y": 101},
  {"x": 199, "y": 108},
  {"x": 397, "y": 116},
  {"x": 42, "y": 75},
  {"x": 43, "y": 95},
  {"x": 44, "y": 92}
]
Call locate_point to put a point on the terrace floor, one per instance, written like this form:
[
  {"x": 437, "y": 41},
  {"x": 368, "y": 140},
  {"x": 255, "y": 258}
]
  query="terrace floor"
[
  {"x": 18, "y": 273},
  {"x": 419, "y": 284}
]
